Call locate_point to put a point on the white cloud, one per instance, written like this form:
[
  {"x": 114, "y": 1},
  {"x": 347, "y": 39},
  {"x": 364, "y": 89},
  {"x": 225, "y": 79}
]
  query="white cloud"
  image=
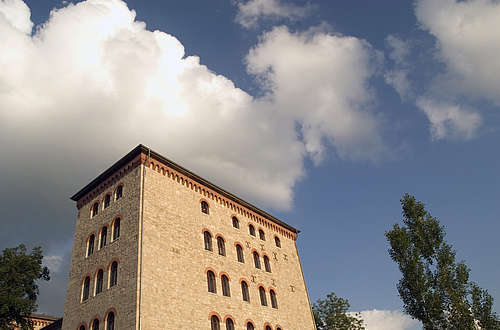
[
  {"x": 17, "y": 13},
  {"x": 398, "y": 76},
  {"x": 386, "y": 320},
  {"x": 251, "y": 11}
]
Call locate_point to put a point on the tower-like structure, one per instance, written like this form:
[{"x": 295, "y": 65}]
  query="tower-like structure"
[{"x": 158, "y": 247}]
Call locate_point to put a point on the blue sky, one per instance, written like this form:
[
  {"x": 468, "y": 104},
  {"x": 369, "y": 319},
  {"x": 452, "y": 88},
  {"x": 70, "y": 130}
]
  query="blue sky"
[{"x": 323, "y": 113}]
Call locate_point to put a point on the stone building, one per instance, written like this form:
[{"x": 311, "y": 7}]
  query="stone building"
[{"x": 158, "y": 247}]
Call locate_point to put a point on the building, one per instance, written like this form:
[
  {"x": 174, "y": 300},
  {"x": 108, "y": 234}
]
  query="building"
[
  {"x": 158, "y": 247},
  {"x": 42, "y": 321}
]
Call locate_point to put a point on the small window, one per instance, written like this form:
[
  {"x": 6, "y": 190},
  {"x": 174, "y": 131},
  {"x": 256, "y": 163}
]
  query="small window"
[
  {"x": 113, "y": 277},
  {"x": 212, "y": 287},
  {"x": 95, "y": 325},
  {"x": 104, "y": 234},
  {"x": 208, "y": 241},
  {"x": 82, "y": 327},
  {"x": 116, "y": 229},
  {"x": 277, "y": 241},
  {"x": 106, "y": 200},
  {"x": 204, "y": 207},
  {"x": 215, "y": 322},
  {"x": 236, "y": 223},
  {"x": 111, "y": 321},
  {"x": 262, "y": 235},
  {"x": 251, "y": 229},
  {"x": 229, "y": 324},
  {"x": 95, "y": 209},
  {"x": 90, "y": 248},
  {"x": 221, "y": 246},
  {"x": 244, "y": 291},
  {"x": 98, "y": 283},
  {"x": 225, "y": 286},
  {"x": 278, "y": 328},
  {"x": 268, "y": 327},
  {"x": 256, "y": 259},
  {"x": 86, "y": 288},
  {"x": 250, "y": 326},
  {"x": 274, "y": 301},
  {"x": 267, "y": 264},
  {"x": 263, "y": 299},
  {"x": 239, "y": 253},
  {"x": 119, "y": 192}
]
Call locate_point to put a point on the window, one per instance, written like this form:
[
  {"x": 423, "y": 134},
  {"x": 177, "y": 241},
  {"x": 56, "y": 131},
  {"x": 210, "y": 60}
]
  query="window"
[
  {"x": 262, "y": 235},
  {"x": 204, "y": 207},
  {"x": 278, "y": 328},
  {"x": 119, "y": 192},
  {"x": 252, "y": 230},
  {"x": 215, "y": 322},
  {"x": 95, "y": 325},
  {"x": 267, "y": 264},
  {"x": 98, "y": 282},
  {"x": 86, "y": 288},
  {"x": 250, "y": 326},
  {"x": 268, "y": 327},
  {"x": 244, "y": 291},
  {"x": 208, "y": 241},
  {"x": 82, "y": 327},
  {"x": 239, "y": 253},
  {"x": 104, "y": 234},
  {"x": 95, "y": 209},
  {"x": 212, "y": 287},
  {"x": 263, "y": 299},
  {"x": 111, "y": 321},
  {"x": 277, "y": 241},
  {"x": 256, "y": 259},
  {"x": 274, "y": 301},
  {"x": 229, "y": 324},
  {"x": 221, "y": 246},
  {"x": 225, "y": 286},
  {"x": 236, "y": 223},
  {"x": 90, "y": 249},
  {"x": 116, "y": 229},
  {"x": 113, "y": 274},
  {"x": 106, "y": 200}
]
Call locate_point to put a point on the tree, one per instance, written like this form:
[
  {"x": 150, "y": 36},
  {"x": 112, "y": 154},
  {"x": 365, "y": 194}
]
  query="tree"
[
  {"x": 434, "y": 288},
  {"x": 18, "y": 290},
  {"x": 330, "y": 314}
]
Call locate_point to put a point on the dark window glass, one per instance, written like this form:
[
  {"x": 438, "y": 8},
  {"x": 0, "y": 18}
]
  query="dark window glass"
[
  {"x": 252, "y": 230},
  {"x": 262, "y": 235},
  {"x": 204, "y": 207},
  {"x": 236, "y": 223},
  {"x": 215, "y": 323},
  {"x": 114, "y": 274},
  {"x": 116, "y": 229},
  {"x": 229, "y": 324},
  {"x": 267, "y": 264},
  {"x": 256, "y": 260},
  {"x": 244, "y": 291},
  {"x": 225, "y": 286},
  {"x": 208, "y": 241},
  {"x": 278, "y": 328},
  {"x": 268, "y": 327},
  {"x": 86, "y": 288},
  {"x": 90, "y": 249},
  {"x": 263, "y": 299},
  {"x": 277, "y": 241},
  {"x": 249, "y": 326},
  {"x": 98, "y": 283},
  {"x": 239, "y": 253},
  {"x": 104, "y": 234},
  {"x": 95, "y": 209},
  {"x": 82, "y": 327},
  {"x": 221, "y": 246},
  {"x": 106, "y": 200},
  {"x": 111, "y": 321},
  {"x": 95, "y": 325},
  {"x": 212, "y": 287},
  {"x": 119, "y": 192},
  {"x": 274, "y": 301}
]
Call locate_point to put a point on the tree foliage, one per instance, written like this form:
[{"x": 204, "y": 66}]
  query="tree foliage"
[
  {"x": 434, "y": 288},
  {"x": 18, "y": 290},
  {"x": 331, "y": 314}
]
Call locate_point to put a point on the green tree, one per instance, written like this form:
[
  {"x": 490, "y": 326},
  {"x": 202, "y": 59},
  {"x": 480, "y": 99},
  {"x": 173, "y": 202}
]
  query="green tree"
[
  {"x": 18, "y": 290},
  {"x": 434, "y": 288},
  {"x": 331, "y": 314}
]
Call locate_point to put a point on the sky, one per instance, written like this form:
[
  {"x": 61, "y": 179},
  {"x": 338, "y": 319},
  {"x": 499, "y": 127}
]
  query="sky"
[{"x": 323, "y": 113}]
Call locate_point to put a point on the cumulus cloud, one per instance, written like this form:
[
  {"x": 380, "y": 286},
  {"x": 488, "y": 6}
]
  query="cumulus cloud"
[
  {"x": 398, "y": 76},
  {"x": 251, "y": 11},
  {"x": 386, "y": 320},
  {"x": 18, "y": 14}
]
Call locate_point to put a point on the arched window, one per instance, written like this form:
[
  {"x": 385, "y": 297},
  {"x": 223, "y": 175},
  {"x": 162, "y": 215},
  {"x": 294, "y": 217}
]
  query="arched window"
[
  {"x": 95, "y": 325},
  {"x": 250, "y": 326},
  {"x": 251, "y": 229},
  {"x": 262, "y": 235},
  {"x": 204, "y": 207},
  {"x": 95, "y": 209},
  {"x": 107, "y": 200},
  {"x": 236, "y": 223},
  {"x": 268, "y": 327},
  {"x": 104, "y": 234},
  {"x": 244, "y": 291},
  {"x": 86, "y": 288},
  {"x": 263, "y": 299},
  {"x": 239, "y": 253},
  {"x": 113, "y": 276},
  {"x": 119, "y": 192},
  {"x": 82, "y": 327},
  {"x": 221, "y": 246},
  {"x": 212, "y": 287},
  {"x": 116, "y": 229},
  {"x": 277, "y": 241},
  {"x": 208, "y": 241},
  {"x": 274, "y": 301},
  {"x": 215, "y": 322},
  {"x": 225, "y": 286},
  {"x": 267, "y": 264},
  {"x": 278, "y": 328},
  {"x": 256, "y": 259},
  {"x": 110, "y": 324},
  {"x": 98, "y": 282},
  {"x": 90, "y": 249},
  {"x": 229, "y": 324}
]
